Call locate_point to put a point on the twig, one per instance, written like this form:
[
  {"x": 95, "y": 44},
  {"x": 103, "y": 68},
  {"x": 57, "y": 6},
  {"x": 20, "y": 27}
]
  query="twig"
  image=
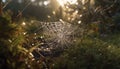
[{"x": 6, "y": 4}]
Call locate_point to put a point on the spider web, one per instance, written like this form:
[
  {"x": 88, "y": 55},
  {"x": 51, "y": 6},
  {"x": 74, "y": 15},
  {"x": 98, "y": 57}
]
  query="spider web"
[{"x": 56, "y": 34}]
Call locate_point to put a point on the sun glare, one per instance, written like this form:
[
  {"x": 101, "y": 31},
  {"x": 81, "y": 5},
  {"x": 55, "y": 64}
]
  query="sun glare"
[{"x": 63, "y": 2}]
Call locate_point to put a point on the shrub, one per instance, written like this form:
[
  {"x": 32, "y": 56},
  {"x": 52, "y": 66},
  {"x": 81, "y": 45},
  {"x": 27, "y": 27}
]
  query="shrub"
[{"x": 90, "y": 54}]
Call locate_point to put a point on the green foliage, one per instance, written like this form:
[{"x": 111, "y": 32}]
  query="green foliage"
[
  {"x": 9, "y": 42},
  {"x": 12, "y": 53},
  {"x": 90, "y": 54},
  {"x": 112, "y": 39}
]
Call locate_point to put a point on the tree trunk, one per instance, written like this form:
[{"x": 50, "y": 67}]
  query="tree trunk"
[{"x": 0, "y": 7}]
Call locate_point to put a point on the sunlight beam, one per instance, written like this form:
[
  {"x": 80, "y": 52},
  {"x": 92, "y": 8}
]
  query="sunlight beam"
[{"x": 63, "y": 2}]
